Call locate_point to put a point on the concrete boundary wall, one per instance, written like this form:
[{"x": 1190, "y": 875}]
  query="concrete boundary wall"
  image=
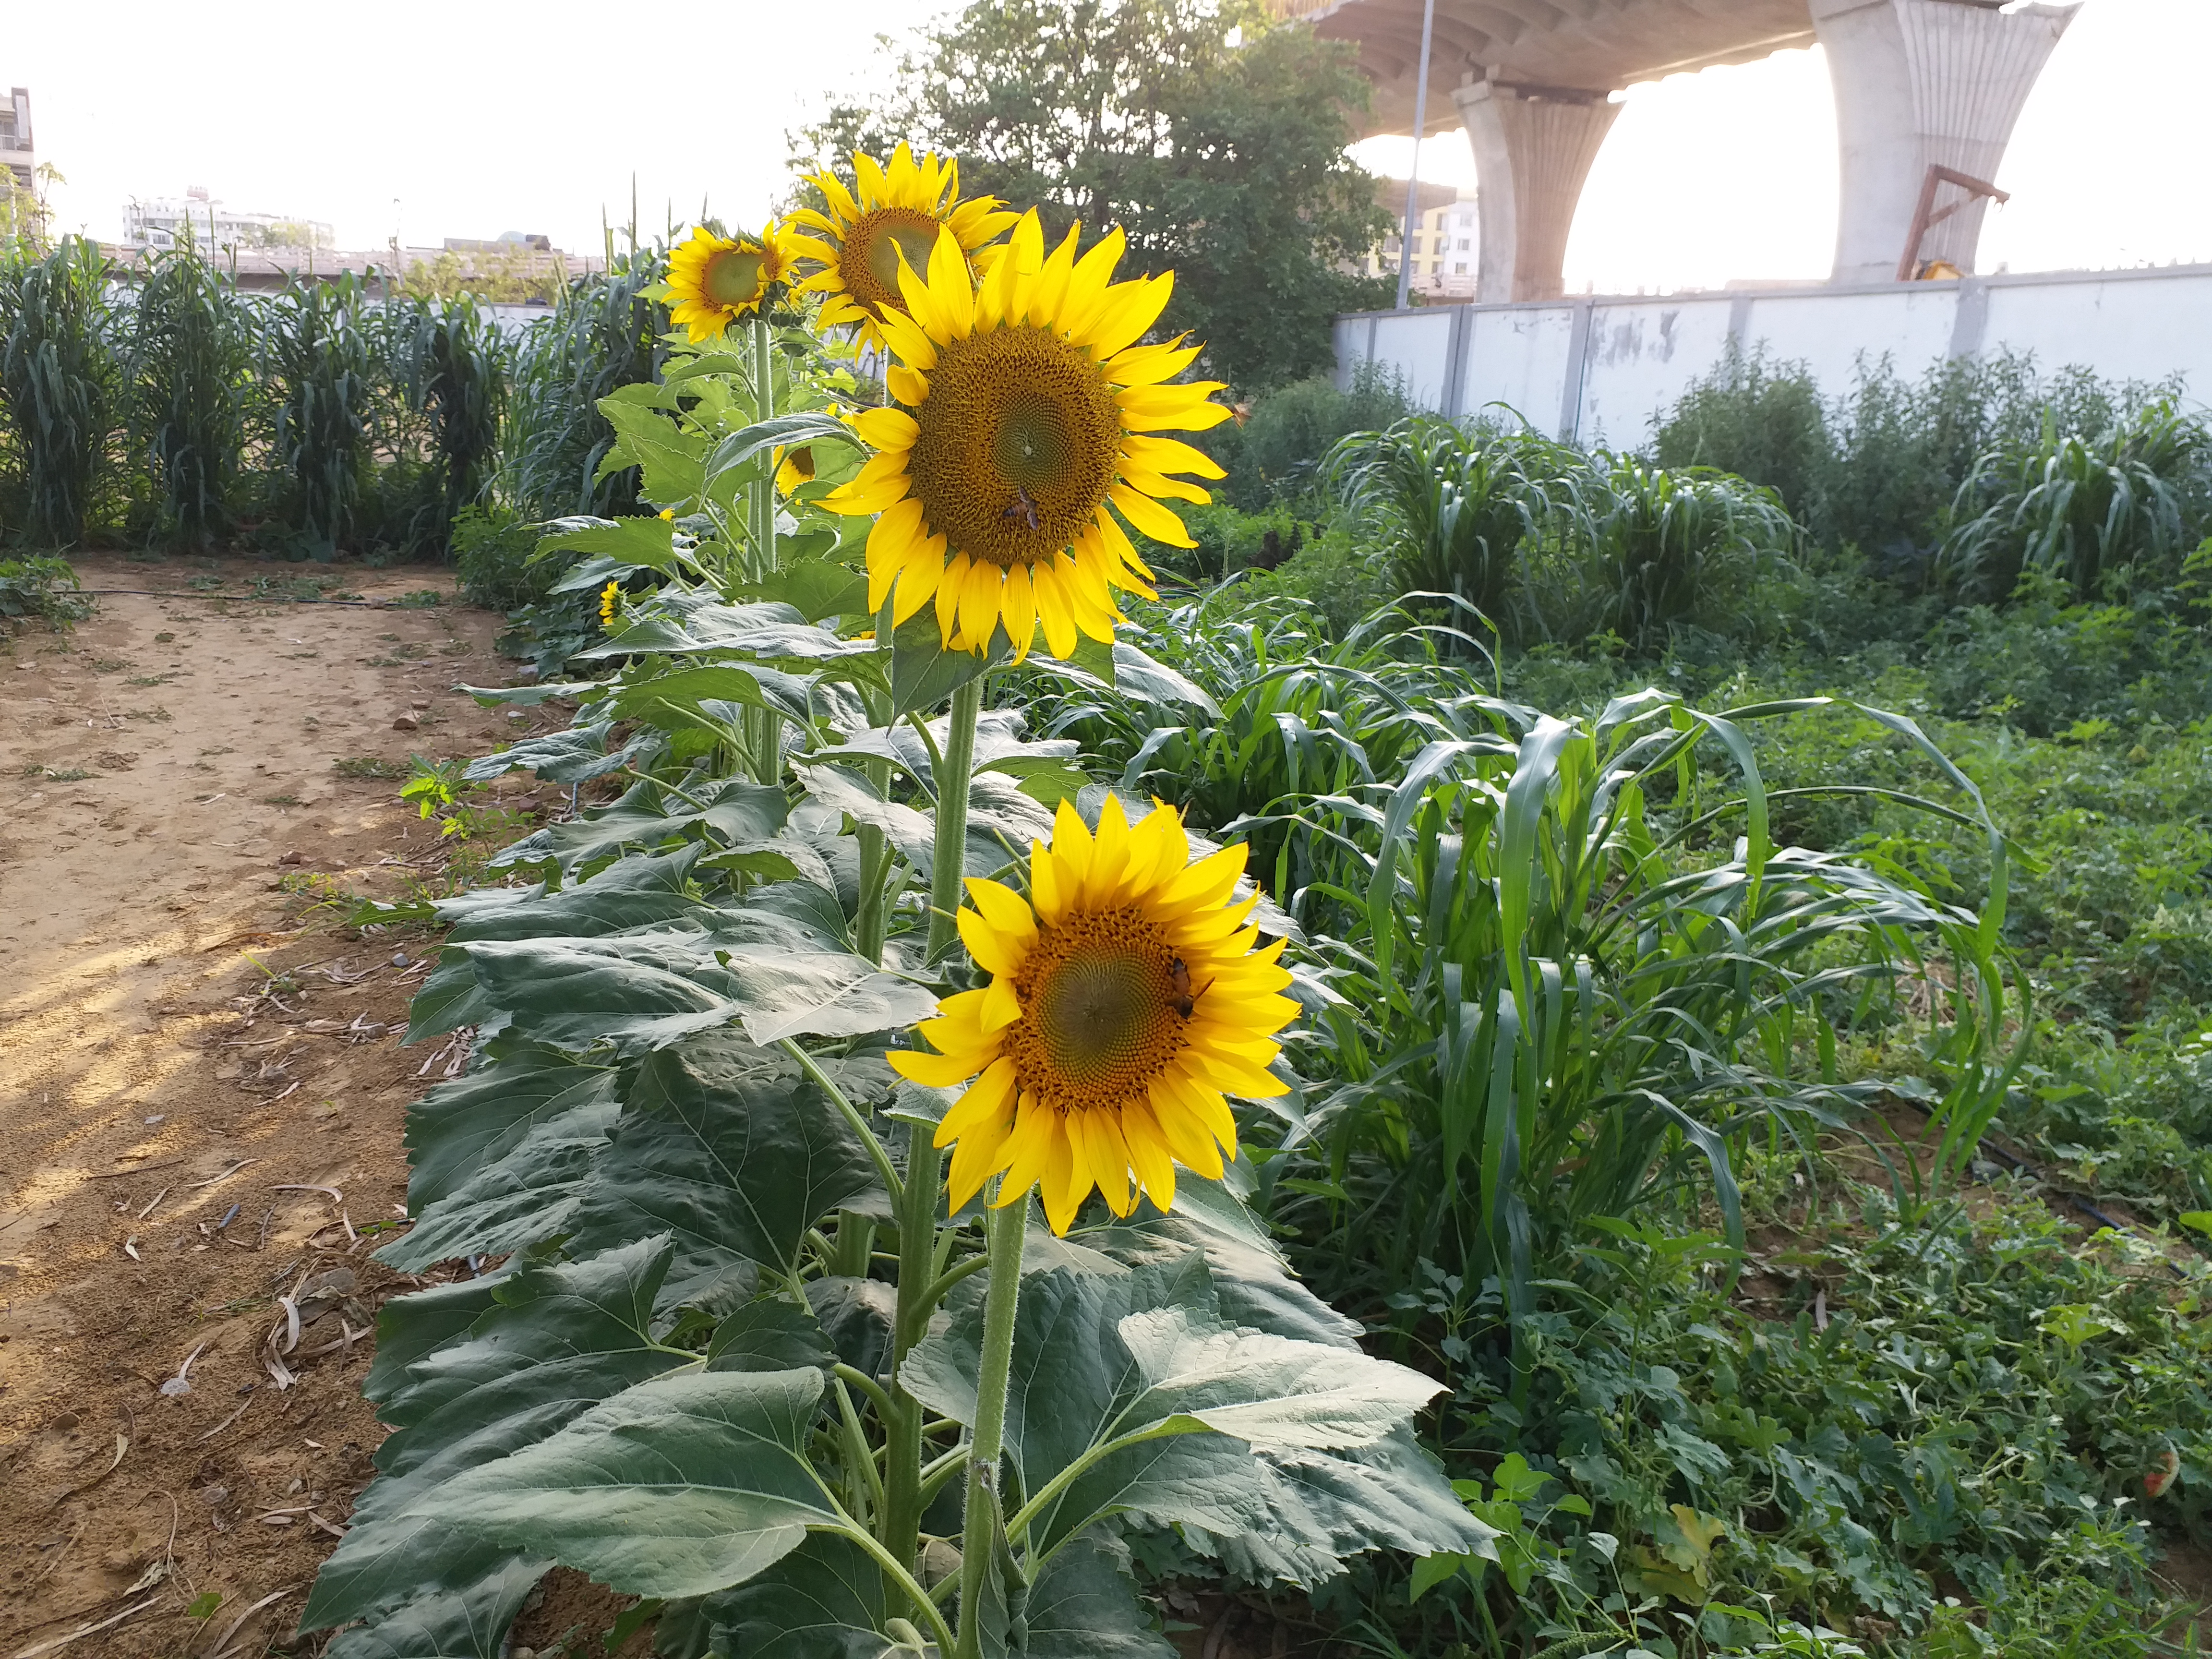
[{"x": 1600, "y": 370}]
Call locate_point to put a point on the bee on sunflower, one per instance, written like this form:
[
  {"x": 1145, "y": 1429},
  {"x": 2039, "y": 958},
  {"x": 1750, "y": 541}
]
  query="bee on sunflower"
[
  {"x": 715, "y": 280},
  {"x": 1128, "y": 995},
  {"x": 894, "y": 217},
  {"x": 1030, "y": 410}
]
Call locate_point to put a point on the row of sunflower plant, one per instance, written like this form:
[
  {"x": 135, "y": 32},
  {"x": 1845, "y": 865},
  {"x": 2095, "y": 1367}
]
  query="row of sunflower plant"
[{"x": 861, "y": 1266}]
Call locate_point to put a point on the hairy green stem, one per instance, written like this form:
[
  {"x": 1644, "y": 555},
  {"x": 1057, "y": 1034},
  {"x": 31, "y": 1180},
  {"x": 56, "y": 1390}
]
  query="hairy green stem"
[
  {"x": 1004, "y": 1230},
  {"x": 952, "y": 770},
  {"x": 904, "y": 1498},
  {"x": 903, "y": 1582}
]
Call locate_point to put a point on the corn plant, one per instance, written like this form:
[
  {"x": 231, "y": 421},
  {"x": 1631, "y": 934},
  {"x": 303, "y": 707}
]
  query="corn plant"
[
  {"x": 446, "y": 365},
  {"x": 604, "y": 334},
  {"x": 317, "y": 360},
  {"x": 1664, "y": 546},
  {"x": 58, "y": 386},
  {"x": 191, "y": 366},
  {"x": 1450, "y": 505},
  {"x": 2084, "y": 510}
]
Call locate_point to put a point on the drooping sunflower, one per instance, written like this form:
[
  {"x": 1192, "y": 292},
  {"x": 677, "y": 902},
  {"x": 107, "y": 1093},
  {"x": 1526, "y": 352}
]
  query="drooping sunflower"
[
  {"x": 897, "y": 213},
  {"x": 715, "y": 280},
  {"x": 1128, "y": 995},
  {"x": 1030, "y": 409}
]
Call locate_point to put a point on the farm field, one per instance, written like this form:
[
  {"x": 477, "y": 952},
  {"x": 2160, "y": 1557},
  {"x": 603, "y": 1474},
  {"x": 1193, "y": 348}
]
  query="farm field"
[{"x": 189, "y": 1057}]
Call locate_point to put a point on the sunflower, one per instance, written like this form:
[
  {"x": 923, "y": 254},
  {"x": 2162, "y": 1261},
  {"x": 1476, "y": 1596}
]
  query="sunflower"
[
  {"x": 715, "y": 280},
  {"x": 895, "y": 218},
  {"x": 1126, "y": 994},
  {"x": 1030, "y": 408},
  {"x": 610, "y": 601}
]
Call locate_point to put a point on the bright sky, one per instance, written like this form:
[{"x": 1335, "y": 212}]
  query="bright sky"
[{"x": 463, "y": 119}]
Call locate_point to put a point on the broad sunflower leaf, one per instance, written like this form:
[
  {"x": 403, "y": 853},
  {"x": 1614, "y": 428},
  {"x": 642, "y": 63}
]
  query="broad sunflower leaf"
[
  {"x": 649, "y": 544},
  {"x": 816, "y": 589},
  {"x": 779, "y": 432},
  {"x": 739, "y": 811},
  {"x": 530, "y": 697},
  {"x": 560, "y": 1338},
  {"x": 409, "y": 1327},
  {"x": 465, "y": 1621},
  {"x": 679, "y": 1486},
  {"x": 734, "y": 1150},
  {"x": 685, "y": 689},
  {"x": 923, "y": 672},
  {"x": 770, "y": 1333},
  {"x": 823, "y": 1600},
  {"x": 460, "y": 1127},
  {"x": 671, "y": 460},
  {"x": 914, "y": 833},
  {"x": 1084, "y": 1605},
  {"x": 856, "y": 1315},
  {"x": 1078, "y": 1382},
  {"x": 999, "y": 746},
  {"x": 769, "y": 629},
  {"x": 575, "y": 754},
  {"x": 528, "y": 1194}
]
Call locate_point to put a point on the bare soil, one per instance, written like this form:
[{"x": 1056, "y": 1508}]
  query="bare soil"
[{"x": 202, "y": 1086}]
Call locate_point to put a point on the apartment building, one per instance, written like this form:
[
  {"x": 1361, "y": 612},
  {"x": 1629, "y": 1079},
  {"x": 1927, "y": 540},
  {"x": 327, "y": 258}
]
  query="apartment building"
[
  {"x": 159, "y": 222},
  {"x": 16, "y": 153},
  {"x": 1445, "y": 240}
]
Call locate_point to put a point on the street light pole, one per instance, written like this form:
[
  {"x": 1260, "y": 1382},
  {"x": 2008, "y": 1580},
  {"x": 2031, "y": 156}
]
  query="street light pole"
[{"x": 1413, "y": 181}]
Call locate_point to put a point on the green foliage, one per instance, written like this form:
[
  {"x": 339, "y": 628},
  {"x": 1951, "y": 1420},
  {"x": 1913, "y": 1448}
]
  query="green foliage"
[
  {"x": 492, "y": 547},
  {"x": 2090, "y": 511},
  {"x": 1225, "y": 161},
  {"x": 59, "y": 391},
  {"x": 191, "y": 366},
  {"x": 44, "y": 587},
  {"x": 1274, "y": 452},
  {"x": 604, "y": 335},
  {"x": 456, "y": 372},
  {"x": 315, "y": 356}
]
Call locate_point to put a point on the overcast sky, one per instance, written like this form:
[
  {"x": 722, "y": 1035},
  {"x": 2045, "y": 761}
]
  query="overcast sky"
[{"x": 458, "y": 119}]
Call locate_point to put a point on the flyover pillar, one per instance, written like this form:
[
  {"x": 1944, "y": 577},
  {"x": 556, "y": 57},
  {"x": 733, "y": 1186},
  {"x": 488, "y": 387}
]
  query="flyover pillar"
[
  {"x": 1921, "y": 83},
  {"x": 1533, "y": 149}
]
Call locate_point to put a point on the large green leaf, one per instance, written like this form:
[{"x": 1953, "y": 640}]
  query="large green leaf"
[
  {"x": 768, "y": 629},
  {"x": 681, "y": 1487},
  {"x": 1096, "y": 1357},
  {"x": 647, "y": 543},
  {"x": 816, "y": 589},
  {"x": 738, "y": 811},
  {"x": 730, "y": 1148},
  {"x": 657, "y": 699},
  {"x": 672, "y": 461},
  {"x": 770, "y": 1333},
  {"x": 559, "y": 1338},
  {"x": 409, "y": 1327},
  {"x": 574, "y": 754},
  {"x": 999, "y": 746},
  {"x": 468, "y": 1621},
  {"x": 823, "y": 1600},
  {"x": 460, "y": 1127},
  {"x": 528, "y": 1193},
  {"x": 1084, "y": 1606},
  {"x": 923, "y": 672}
]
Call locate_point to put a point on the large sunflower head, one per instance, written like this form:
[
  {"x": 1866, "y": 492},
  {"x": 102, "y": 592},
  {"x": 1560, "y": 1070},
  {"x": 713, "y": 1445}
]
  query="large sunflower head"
[
  {"x": 1030, "y": 407},
  {"x": 715, "y": 280},
  {"x": 1126, "y": 995},
  {"x": 893, "y": 217}
]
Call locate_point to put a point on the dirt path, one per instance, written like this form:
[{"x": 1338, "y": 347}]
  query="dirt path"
[{"x": 189, "y": 1057}]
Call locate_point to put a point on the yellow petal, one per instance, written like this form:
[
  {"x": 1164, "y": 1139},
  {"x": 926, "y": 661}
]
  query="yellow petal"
[
  {"x": 1167, "y": 455},
  {"x": 1107, "y": 1157},
  {"x": 920, "y": 575},
  {"x": 991, "y": 1095},
  {"x": 1149, "y": 517},
  {"x": 896, "y": 429},
  {"x": 1068, "y": 1179},
  {"x": 930, "y": 1071},
  {"x": 1130, "y": 309},
  {"x": 910, "y": 385},
  {"x": 979, "y": 605},
  {"x": 949, "y": 586},
  {"x": 1149, "y": 1153},
  {"x": 1018, "y": 606},
  {"x": 951, "y": 285},
  {"x": 1001, "y": 1007},
  {"x": 993, "y": 953},
  {"x": 1054, "y": 612}
]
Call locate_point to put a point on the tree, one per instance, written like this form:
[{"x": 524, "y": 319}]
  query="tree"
[{"x": 1213, "y": 135}]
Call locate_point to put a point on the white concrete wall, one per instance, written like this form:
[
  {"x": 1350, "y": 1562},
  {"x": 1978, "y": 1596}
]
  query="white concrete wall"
[{"x": 1600, "y": 371}]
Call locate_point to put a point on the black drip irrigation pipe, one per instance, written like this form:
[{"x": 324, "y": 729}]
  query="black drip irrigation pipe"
[{"x": 241, "y": 598}]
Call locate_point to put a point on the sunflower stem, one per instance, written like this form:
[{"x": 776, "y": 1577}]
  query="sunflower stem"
[
  {"x": 904, "y": 1497},
  {"x": 952, "y": 779},
  {"x": 982, "y": 1539},
  {"x": 764, "y": 726}
]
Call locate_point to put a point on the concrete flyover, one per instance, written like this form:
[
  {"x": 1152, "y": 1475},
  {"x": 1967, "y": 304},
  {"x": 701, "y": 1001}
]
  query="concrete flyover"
[{"x": 1919, "y": 84}]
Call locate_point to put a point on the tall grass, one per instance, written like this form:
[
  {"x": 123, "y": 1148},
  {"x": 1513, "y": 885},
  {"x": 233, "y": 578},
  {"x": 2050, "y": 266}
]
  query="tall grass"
[
  {"x": 316, "y": 359},
  {"x": 191, "y": 368},
  {"x": 604, "y": 334},
  {"x": 59, "y": 385},
  {"x": 452, "y": 361},
  {"x": 2081, "y": 509}
]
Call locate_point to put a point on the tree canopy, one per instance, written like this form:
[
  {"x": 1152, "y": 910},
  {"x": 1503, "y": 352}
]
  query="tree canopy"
[{"x": 1212, "y": 134}]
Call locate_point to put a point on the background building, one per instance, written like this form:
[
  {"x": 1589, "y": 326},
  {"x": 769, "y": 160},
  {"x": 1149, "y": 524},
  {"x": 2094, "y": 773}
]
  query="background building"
[
  {"x": 159, "y": 222},
  {"x": 15, "y": 154},
  {"x": 1447, "y": 241}
]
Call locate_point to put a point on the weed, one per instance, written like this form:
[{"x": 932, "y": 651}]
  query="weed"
[{"x": 368, "y": 766}]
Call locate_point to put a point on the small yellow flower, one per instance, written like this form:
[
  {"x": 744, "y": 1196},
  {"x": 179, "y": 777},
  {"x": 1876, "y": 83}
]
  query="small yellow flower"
[
  {"x": 1126, "y": 996},
  {"x": 668, "y": 514},
  {"x": 609, "y": 599},
  {"x": 715, "y": 280}
]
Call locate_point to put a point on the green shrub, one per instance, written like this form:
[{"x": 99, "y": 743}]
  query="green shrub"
[
  {"x": 492, "y": 545},
  {"x": 42, "y": 587},
  {"x": 317, "y": 363},
  {"x": 60, "y": 390},
  {"x": 602, "y": 334},
  {"x": 191, "y": 368},
  {"x": 1275, "y": 451}
]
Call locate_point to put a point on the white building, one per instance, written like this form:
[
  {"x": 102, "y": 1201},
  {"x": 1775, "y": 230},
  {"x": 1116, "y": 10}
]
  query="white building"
[
  {"x": 159, "y": 222},
  {"x": 16, "y": 153},
  {"x": 1447, "y": 241}
]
